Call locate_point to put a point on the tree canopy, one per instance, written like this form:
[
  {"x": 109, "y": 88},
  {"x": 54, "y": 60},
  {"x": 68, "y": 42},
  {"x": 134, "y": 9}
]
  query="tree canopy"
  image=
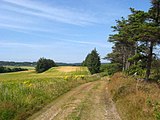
[
  {"x": 136, "y": 38},
  {"x": 92, "y": 61},
  {"x": 44, "y": 64}
]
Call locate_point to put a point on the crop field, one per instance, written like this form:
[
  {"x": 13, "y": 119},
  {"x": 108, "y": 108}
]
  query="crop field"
[{"x": 24, "y": 93}]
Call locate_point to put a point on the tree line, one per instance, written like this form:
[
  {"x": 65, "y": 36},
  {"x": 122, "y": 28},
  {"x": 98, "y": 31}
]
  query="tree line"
[
  {"x": 7, "y": 69},
  {"x": 135, "y": 41},
  {"x": 11, "y": 63}
]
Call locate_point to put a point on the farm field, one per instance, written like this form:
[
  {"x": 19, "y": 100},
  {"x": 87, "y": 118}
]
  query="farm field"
[
  {"x": 56, "y": 72},
  {"x": 24, "y": 93}
]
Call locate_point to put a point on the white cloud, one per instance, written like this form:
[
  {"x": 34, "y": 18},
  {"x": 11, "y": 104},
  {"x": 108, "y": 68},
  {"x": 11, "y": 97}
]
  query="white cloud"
[
  {"x": 88, "y": 43},
  {"x": 38, "y": 9},
  {"x": 24, "y": 28},
  {"x": 17, "y": 44}
]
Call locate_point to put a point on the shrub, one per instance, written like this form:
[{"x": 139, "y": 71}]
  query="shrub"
[
  {"x": 111, "y": 68},
  {"x": 136, "y": 69},
  {"x": 44, "y": 64}
]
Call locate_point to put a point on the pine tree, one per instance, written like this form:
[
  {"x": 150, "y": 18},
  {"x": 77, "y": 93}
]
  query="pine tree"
[
  {"x": 93, "y": 62},
  {"x": 141, "y": 33}
]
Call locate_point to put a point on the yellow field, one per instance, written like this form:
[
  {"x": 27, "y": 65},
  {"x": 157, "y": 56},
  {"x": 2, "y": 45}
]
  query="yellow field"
[
  {"x": 56, "y": 72},
  {"x": 69, "y": 69}
]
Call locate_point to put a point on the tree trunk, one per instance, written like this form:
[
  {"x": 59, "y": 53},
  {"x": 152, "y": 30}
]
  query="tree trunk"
[
  {"x": 123, "y": 58},
  {"x": 149, "y": 61},
  {"x": 158, "y": 12},
  {"x": 123, "y": 69},
  {"x": 127, "y": 65}
]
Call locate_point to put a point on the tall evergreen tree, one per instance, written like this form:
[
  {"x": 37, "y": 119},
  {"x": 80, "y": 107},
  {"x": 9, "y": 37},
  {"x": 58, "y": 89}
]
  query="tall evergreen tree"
[
  {"x": 148, "y": 34},
  {"x": 84, "y": 63},
  {"x": 93, "y": 62},
  {"x": 123, "y": 44},
  {"x": 141, "y": 33}
]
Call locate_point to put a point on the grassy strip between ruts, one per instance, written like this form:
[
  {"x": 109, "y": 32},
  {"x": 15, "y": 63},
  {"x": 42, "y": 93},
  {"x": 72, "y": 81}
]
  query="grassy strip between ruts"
[
  {"x": 135, "y": 99},
  {"x": 86, "y": 110},
  {"x": 23, "y": 97}
]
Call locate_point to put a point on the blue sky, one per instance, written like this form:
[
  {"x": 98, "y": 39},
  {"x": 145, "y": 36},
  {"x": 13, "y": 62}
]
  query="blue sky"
[{"x": 62, "y": 30}]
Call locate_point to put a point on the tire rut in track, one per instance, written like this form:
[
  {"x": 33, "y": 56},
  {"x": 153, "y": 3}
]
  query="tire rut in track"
[
  {"x": 64, "y": 105},
  {"x": 89, "y": 101}
]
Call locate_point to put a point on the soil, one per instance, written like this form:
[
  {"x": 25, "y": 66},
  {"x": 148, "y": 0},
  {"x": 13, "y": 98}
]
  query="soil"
[{"x": 89, "y": 101}]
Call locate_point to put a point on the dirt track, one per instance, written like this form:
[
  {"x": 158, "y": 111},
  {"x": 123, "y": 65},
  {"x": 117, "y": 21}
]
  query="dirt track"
[{"x": 89, "y": 101}]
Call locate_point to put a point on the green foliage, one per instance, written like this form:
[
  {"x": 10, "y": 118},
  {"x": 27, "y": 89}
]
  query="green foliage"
[
  {"x": 7, "y": 114},
  {"x": 103, "y": 67},
  {"x": 136, "y": 57},
  {"x": 92, "y": 61},
  {"x": 157, "y": 115},
  {"x": 7, "y": 69},
  {"x": 136, "y": 70},
  {"x": 84, "y": 63},
  {"x": 155, "y": 105},
  {"x": 44, "y": 64},
  {"x": 111, "y": 68},
  {"x": 135, "y": 39}
]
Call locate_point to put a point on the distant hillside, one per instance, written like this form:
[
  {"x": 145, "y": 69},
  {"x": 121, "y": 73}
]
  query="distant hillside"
[{"x": 11, "y": 63}]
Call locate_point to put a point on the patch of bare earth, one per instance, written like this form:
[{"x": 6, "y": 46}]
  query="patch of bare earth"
[
  {"x": 111, "y": 111},
  {"x": 68, "y": 69},
  {"x": 89, "y": 101},
  {"x": 97, "y": 105}
]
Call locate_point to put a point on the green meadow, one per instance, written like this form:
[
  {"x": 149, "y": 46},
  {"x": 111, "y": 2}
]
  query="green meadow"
[{"x": 24, "y": 93}]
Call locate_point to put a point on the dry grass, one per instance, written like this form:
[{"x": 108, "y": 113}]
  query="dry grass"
[
  {"x": 69, "y": 69},
  {"x": 135, "y": 100}
]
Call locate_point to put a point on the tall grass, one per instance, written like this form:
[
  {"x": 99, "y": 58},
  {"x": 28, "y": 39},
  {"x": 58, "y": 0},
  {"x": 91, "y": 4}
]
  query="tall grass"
[
  {"x": 24, "y": 93},
  {"x": 135, "y": 99}
]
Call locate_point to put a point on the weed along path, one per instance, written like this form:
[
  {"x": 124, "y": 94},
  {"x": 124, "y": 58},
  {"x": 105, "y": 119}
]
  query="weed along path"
[{"x": 89, "y": 101}]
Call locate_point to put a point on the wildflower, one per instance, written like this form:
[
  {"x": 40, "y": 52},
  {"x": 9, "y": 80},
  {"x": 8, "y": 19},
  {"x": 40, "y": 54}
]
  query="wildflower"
[
  {"x": 66, "y": 77},
  {"x": 30, "y": 85},
  {"x": 82, "y": 76},
  {"x": 25, "y": 82},
  {"x": 76, "y": 76}
]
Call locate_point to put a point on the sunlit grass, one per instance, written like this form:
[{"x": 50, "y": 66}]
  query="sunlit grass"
[
  {"x": 23, "y": 93},
  {"x": 135, "y": 99},
  {"x": 51, "y": 73}
]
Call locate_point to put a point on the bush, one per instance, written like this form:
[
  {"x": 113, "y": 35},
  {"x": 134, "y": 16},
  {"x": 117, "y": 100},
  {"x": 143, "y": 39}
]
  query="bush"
[
  {"x": 2, "y": 69},
  {"x": 136, "y": 69},
  {"x": 44, "y": 64},
  {"x": 111, "y": 68}
]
